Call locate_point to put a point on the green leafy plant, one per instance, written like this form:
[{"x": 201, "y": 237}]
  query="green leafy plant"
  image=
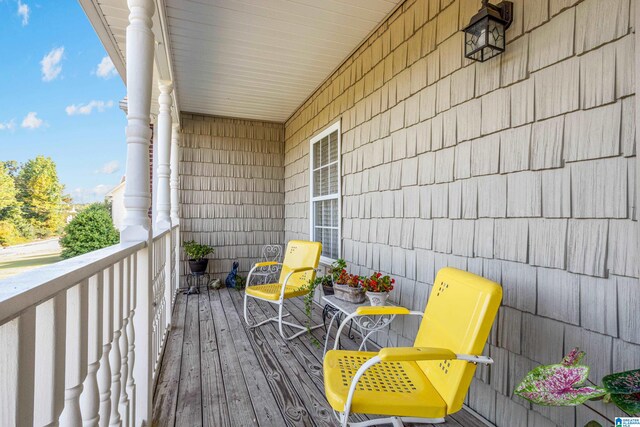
[
  {"x": 564, "y": 385},
  {"x": 310, "y": 287},
  {"x": 90, "y": 230},
  {"x": 336, "y": 268},
  {"x": 241, "y": 282},
  {"x": 195, "y": 251}
]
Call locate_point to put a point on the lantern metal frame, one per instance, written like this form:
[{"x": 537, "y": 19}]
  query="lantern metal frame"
[{"x": 501, "y": 13}]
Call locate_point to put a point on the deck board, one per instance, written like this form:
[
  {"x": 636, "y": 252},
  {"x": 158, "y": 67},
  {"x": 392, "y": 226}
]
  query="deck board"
[
  {"x": 214, "y": 401},
  {"x": 189, "y": 408},
  {"x": 166, "y": 393},
  {"x": 273, "y": 397},
  {"x": 217, "y": 372}
]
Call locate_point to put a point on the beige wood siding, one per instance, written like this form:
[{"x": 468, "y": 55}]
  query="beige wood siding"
[
  {"x": 521, "y": 169},
  {"x": 231, "y": 188}
]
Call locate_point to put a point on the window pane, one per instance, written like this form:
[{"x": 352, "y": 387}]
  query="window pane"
[
  {"x": 334, "y": 213},
  {"x": 333, "y": 147},
  {"x": 333, "y": 179},
  {"x": 316, "y": 182},
  {"x": 324, "y": 150},
  {"x": 318, "y": 237},
  {"x": 316, "y": 155}
]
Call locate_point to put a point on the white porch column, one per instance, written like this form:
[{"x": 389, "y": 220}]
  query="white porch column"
[
  {"x": 163, "y": 221},
  {"x": 137, "y": 198},
  {"x": 140, "y": 49},
  {"x": 175, "y": 152}
]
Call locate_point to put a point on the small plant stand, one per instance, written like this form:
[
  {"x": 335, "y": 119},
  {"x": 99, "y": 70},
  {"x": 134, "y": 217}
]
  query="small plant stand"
[
  {"x": 195, "y": 281},
  {"x": 365, "y": 325}
]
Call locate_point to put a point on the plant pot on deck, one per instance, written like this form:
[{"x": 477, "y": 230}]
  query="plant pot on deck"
[
  {"x": 198, "y": 267},
  {"x": 327, "y": 289}
]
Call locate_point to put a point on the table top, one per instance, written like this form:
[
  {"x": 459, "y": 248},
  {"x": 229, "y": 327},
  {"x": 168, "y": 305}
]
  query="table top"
[{"x": 344, "y": 306}]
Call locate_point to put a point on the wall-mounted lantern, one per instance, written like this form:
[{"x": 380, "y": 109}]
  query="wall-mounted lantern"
[{"x": 484, "y": 37}]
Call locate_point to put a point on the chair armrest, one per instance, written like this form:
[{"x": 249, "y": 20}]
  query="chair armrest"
[
  {"x": 406, "y": 354},
  {"x": 266, "y": 263},
  {"x": 380, "y": 310}
]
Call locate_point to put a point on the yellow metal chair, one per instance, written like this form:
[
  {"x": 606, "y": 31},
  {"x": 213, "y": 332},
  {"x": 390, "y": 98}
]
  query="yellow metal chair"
[
  {"x": 424, "y": 383},
  {"x": 298, "y": 267}
]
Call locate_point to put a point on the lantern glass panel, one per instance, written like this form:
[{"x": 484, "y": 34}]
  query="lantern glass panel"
[
  {"x": 496, "y": 34},
  {"x": 476, "y": 37}
]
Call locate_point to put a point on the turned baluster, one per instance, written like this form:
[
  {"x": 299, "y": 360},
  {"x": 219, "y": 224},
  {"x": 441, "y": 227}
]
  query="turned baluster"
[
  {"x": 76, "y": 353},
  {"x": 90, "y": 399},
  {"x": 115, "y": 358}
]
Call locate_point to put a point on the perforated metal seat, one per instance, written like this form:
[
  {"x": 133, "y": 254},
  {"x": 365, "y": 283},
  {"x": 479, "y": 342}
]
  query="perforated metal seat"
[
  {"x": 398, "y": 384},
  {"x": 423, "y": 383}
]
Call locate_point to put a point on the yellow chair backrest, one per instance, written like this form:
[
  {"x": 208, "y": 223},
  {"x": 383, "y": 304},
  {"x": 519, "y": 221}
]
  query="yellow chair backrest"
[
  {"x": 459, "y": 316},
  {"x": 299, "y": 254}
]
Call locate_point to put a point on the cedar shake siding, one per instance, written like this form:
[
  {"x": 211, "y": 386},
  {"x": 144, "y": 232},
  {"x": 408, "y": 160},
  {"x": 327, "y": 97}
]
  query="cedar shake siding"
[
  {"x": 231, "y": 188},
  {"x": 521, "y": 169}
]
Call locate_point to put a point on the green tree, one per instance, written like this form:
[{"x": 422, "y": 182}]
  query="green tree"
[
  {"x": 40, "y": 194},
  {"x": 7, "y": 191},
  {"x": 90, "y": 230},
  {"x": 10, "y": 232}
]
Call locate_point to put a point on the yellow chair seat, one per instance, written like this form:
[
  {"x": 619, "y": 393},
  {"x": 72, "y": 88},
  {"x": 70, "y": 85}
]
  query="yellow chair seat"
[
  {"x": 271, "y": 291},
  {"x": 388, "y": 388}
]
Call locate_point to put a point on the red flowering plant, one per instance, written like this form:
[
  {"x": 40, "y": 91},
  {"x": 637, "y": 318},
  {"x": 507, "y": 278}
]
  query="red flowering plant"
[
  {"x": 378, "y": 283},
  {"x": 351, "y": 280}
]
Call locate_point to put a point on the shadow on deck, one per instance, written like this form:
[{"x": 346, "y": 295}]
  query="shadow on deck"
[{"x": 215, "y": 372}]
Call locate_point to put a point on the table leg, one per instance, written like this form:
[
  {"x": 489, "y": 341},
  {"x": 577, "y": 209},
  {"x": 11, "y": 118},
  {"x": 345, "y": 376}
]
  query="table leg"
[{"x": 326, "y": 339}]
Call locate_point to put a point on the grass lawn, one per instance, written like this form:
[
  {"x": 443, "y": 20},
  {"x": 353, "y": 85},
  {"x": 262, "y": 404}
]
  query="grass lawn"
[{"x": 19, "y": 262}]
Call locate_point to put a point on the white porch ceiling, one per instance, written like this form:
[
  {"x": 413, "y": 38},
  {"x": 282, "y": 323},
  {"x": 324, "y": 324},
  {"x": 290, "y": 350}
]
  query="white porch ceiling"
[
  {"x": 255, "y": 59},
  {"x": 261, "y": 59}
]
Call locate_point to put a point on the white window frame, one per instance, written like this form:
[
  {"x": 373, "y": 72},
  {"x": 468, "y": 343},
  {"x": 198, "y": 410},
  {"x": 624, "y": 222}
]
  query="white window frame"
[{"x": 312, "y": 220}]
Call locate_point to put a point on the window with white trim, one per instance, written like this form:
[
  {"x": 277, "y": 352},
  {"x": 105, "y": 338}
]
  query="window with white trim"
[{"x": 325, "y": 203}]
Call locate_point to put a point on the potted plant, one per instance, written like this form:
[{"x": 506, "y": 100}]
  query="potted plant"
[
  {"x": 196, "y": 254},
  {"x": 333, "y": 272},
  {"x": 347, "y": 287},
  {"x": 565, "y": 384},
  {"x": 377, "y": 288}
]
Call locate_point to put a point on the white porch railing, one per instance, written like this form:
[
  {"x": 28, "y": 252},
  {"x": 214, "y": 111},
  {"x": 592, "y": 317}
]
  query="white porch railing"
[{"x": 68, "y": 336}]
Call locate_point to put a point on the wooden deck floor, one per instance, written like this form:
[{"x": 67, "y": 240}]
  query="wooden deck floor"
[{"x": 215, "y": 372}]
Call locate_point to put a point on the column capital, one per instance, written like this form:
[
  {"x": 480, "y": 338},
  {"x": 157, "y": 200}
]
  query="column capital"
[{"x": 165, "y": 86}]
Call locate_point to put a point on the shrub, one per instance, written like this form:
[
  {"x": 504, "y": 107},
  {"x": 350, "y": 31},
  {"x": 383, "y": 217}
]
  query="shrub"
[{"x": 90, "y": 230}]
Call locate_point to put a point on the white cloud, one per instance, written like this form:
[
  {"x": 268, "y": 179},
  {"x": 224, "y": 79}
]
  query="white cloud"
[
  {"x": 109, "y": 167},
  {"x": 106, "y": 69},
  {"x": 31, "y": 121},
  {"x": 89, "y": 195},
  {"x": 86, "y": 109},
  {"x": 51, "y": 67},
  {"x": 10, "y": 125},
  {"x": 23, "y": 12}
]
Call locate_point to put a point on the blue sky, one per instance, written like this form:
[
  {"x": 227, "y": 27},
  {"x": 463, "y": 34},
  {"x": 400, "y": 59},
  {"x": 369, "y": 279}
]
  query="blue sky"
[{"x": 59, "y": 95}]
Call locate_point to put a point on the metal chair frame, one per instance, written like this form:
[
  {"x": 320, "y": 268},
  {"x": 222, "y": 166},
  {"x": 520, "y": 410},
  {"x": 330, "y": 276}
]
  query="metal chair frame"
[{"x": 280, "y": 303}]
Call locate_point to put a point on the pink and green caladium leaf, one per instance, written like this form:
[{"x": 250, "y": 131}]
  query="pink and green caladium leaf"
[
  {"x": 557, "y": 385},
  {"x": 629, "y": 403},
  {"x": 623, "y": 382},
  {"x": 573, "y": 358}
]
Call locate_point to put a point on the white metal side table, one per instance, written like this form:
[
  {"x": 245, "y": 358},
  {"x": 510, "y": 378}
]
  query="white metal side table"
[{"x": 366, "y": 325}]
